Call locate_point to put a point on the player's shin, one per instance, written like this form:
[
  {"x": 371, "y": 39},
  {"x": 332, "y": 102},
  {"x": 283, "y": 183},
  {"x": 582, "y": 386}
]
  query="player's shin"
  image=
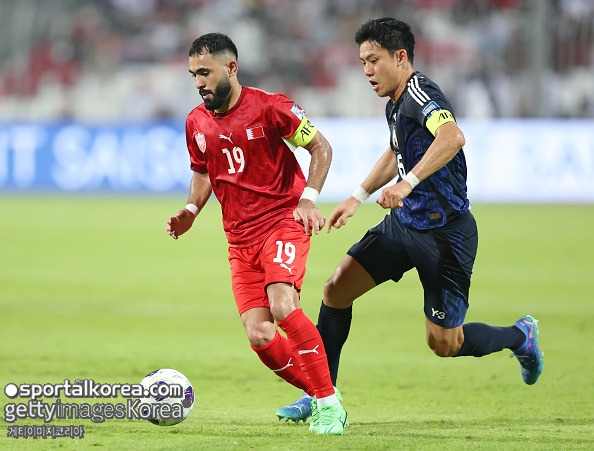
[
  {"x": 278, "y": 356},
  {"x": 305, "y": 341},
  {"x": 334, "y": 325},
  {"x": 481, "y": 339}
]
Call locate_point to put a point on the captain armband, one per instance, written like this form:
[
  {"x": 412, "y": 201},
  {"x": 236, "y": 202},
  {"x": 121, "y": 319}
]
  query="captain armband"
[
  {"x": 304, "y": 133},
  {"x": 437, "y": 119}
]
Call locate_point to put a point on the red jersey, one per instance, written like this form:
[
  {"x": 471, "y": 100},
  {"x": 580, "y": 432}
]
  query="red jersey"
[{"x": 253, "y": 172}]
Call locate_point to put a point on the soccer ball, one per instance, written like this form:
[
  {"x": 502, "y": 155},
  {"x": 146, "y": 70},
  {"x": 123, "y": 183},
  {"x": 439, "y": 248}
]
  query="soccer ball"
[{"x": 169, "y": 397}]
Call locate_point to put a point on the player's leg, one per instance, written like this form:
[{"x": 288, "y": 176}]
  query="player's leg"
[
  {"x": 283, "y": 258},
  {"x": 349, "y": 281},
  {"x": 260, "y": 327},
  {"x": 379, "y": 256},
  {"x": 334, "y": 320},
  {"x": 445, "y": 273},
  {"x": 443, "y": 341},
  {"x": 479, "y": 339},
  {"x": 471, "y": 339},
  {"x": 272, "y": 348},
  {"x": 444, "y": 259},
  {"x": 302, "y": 335},
  {"x": 306, "y": 343}
]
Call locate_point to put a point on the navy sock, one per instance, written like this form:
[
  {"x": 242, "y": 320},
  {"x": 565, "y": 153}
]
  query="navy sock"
[
  {"x": 481, "y": 339},
  {"x": 334, "y": 325}
]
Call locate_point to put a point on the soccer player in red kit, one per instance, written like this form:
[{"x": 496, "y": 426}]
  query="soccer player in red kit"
[{"x": 241, "y": 142}]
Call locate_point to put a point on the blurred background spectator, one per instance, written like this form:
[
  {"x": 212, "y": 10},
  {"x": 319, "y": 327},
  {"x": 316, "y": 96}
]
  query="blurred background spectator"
[{"x": 126, "y": 60}]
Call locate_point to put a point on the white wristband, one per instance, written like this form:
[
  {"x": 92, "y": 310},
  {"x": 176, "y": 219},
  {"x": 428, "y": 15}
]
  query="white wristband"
[
  {"x": 412, "y": 179},
  {"x": 310, "y": 193},
  {"x": 192, "y": 208},
  {"x": 360, "y": 194}
]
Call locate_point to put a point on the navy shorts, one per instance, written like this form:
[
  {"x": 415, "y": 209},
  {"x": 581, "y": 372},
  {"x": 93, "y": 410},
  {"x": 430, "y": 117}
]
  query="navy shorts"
[{"x": 443, "y": 257}]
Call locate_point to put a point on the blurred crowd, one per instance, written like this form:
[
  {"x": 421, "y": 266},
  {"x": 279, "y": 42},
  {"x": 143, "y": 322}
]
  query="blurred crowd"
[{"x": 126, "y": 60}]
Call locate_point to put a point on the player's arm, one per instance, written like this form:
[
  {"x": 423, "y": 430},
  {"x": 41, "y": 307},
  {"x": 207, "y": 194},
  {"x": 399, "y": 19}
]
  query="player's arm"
[
  {"x": 321, "y": 157},
  {"x": 200, "y": 190},
  {"x": 307, "y": 211},
  {"x": 448, "y": 141},
  {"x": 383, "y": 171},
  {"x": 307, "y": 136}
]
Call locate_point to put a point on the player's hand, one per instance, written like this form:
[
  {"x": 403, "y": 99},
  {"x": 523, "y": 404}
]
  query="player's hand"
[
  {"x": 342, "y": 212},
  {"x": 310, "y": 216},
  {"x": 180, "y": 223},
  {"x": 392, "y": 196}
]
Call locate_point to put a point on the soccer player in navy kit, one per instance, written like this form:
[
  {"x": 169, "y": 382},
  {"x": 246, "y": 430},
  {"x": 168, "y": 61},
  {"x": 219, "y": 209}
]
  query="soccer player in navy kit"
[{"x": 429, "y": 226}]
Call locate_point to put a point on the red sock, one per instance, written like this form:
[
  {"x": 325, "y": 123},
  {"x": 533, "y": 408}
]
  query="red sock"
[
  {"x": 306, "y": 343},
  {"x": 277, "y": 356}
]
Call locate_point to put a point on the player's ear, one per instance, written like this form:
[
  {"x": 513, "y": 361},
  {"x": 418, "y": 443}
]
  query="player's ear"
[
  {"x": 401, "y": 56},
  {"x": 232, "y": 67}
]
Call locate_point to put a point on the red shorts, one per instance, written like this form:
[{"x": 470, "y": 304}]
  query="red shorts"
[{"x": 280, "y": 257}]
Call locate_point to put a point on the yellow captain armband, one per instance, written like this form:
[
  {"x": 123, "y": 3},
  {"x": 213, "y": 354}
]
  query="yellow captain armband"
[
  {"x": 438, "y": 118},
  {"x": 304, "y": 133}
]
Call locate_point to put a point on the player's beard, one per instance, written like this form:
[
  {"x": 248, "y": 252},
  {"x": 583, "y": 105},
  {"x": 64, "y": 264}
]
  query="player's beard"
[{"x": 219, "y": 96}]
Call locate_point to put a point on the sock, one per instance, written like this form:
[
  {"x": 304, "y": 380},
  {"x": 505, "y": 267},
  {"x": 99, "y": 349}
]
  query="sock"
[
  {"x": 331, "y": 400},
  {"x": 278, "y": 356},
  {"x": 334, "y": 325},
  {"x": 306, "y": 343},
  {"x": 481, "y": 339}
]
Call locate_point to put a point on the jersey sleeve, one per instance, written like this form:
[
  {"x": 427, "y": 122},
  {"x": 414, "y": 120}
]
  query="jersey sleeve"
[
  {"x": 290, "y": 119},
  {"x": 194, "y": 141},
  {"x": 429, "y": 107},
  {"x": 438, "y": 118}
]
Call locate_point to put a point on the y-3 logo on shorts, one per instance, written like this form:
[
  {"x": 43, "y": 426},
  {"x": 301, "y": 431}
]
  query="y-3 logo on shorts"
[{"x": 440, "y": 315}]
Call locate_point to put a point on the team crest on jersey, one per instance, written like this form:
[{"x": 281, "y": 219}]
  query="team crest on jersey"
[
  {"x": 200, "y": 141},
  {"x": 297, "y": 111}
]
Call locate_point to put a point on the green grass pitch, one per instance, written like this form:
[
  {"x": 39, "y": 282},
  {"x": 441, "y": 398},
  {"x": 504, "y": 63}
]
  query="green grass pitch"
[{"x": 94, "y": 288}]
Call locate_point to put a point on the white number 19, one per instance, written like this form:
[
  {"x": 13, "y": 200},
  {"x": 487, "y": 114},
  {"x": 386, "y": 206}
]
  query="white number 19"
[
  {"x": 289, "y": 249},
  {"x": 238, "y": 157}
]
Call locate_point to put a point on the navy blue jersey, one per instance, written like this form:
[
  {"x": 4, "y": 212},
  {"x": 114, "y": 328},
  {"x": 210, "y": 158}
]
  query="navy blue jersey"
[{"x": 413, "y": 119}]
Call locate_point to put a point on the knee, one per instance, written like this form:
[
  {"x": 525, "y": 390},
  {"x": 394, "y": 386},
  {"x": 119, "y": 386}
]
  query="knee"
[
  {"x": 280, "y": 310},
  {"x": 443, "y": 347},
  {"x": 260, "y": 334},
  {"x": 348, "y": 281},
  {"x": 329, "y": 288},
  {"x": 333, "y": 295},
  {"x": 443, "y": 341},
  {"x": 283, "y": 299}
]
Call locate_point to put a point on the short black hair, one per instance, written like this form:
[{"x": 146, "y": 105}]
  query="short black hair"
[
  {"x": 392, "y": 34},
  {"x": 213, "y": 43}
]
